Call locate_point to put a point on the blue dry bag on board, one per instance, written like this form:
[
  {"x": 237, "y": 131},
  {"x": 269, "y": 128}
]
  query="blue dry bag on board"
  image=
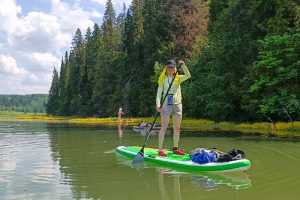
[{"x": 203, "y": 157}]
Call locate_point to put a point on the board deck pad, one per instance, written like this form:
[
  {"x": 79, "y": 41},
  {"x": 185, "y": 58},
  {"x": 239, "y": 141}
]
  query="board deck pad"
[{"x": 151, "y": 152}]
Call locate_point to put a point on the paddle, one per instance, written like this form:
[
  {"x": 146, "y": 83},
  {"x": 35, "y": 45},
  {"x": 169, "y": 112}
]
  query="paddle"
[{"x": 140, "y": 155}]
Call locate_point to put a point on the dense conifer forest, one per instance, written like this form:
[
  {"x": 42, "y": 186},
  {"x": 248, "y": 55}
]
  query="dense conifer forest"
[{"x": 243, "y": 55}]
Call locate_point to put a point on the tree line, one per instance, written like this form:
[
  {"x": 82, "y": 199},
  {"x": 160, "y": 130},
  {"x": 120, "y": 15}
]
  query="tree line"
[
  {"x": 243, "y": 55},
  {"x": 32, "y": 103}
]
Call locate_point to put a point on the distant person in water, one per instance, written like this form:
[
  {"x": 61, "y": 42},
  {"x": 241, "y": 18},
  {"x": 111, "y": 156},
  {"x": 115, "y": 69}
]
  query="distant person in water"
[
  {"x": 143, "y": 124},
  {"x": 120, "y": 113},
  {"x": 172, "y": 105}
]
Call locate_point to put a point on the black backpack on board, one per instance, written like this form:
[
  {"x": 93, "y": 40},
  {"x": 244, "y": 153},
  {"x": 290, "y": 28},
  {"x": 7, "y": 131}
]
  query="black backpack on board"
[{"x": 234, "y": 154}]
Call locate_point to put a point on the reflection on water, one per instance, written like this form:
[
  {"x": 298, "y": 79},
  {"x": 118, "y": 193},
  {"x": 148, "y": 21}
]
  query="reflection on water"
[
  {"x": 120, "y": 131},
  {"x": 121, "y": 127},
  {"x": 208, "y": 181},
  {"x": 50, "y": 161},
  {"x": 27, "y": 170},
  {"x": 236, "y": 180},
  {"x": 176, "y": 195}
]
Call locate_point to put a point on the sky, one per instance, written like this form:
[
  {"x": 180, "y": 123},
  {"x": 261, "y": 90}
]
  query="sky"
[{"x": 35, "y": 34}]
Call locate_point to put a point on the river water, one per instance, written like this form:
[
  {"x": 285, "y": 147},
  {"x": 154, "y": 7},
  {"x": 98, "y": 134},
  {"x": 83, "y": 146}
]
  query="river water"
[{"x": 54, "y": 161}]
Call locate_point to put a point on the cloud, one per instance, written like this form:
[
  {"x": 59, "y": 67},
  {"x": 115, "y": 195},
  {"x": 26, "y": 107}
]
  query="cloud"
[
  {"x": 17, "y": 80},
  {"x": 102, "y": 2},
  {"x": 8, "y": 15},
  {"x": 8, "y": 66},
  {"x": 73, "y": 17},
  {"x": 115, "y": 2},
  {"x": 44, "y": 59},
  {"x": 34, "y": 43},
  {"x": 37, "y": 32}
]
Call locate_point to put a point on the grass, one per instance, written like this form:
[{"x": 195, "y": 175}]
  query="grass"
[
  {"x": 9, "y": 115},
  {"x": 280, "y": 129}
]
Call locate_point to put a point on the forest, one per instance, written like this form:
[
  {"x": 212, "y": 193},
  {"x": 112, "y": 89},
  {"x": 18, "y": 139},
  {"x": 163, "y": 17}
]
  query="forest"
[
  {"x": 30, "y": 103},
  {"x": 243, "y": 56}
]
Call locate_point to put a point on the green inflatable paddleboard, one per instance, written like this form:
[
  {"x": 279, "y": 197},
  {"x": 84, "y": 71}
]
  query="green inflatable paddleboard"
[{"x": 183, "y": 161}]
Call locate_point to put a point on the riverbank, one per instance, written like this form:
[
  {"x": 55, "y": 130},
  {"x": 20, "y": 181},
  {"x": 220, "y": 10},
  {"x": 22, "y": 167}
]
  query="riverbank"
[{"x": 192, "y": 125}]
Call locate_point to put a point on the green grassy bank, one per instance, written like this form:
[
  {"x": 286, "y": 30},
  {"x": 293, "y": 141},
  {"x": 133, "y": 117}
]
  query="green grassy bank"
[{"x": 280, "y": 128}]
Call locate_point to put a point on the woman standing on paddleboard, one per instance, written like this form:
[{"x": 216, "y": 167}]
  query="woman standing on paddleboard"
[{"x": 172, "y": 105}]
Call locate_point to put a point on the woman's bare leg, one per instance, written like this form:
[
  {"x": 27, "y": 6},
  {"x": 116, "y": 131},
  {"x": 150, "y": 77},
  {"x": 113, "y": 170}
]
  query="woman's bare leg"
[
  {"x": 176, "y": 126},
  {"x": 164, "y": 125}
]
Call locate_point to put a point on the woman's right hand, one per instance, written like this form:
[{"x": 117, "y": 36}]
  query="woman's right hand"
[
  {"x": 158, "y": 109},
  {"x": 181, "y": 62}
]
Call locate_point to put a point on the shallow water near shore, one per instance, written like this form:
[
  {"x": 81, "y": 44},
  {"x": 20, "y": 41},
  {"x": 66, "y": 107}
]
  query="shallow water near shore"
[{"x": 56, "y": 161}]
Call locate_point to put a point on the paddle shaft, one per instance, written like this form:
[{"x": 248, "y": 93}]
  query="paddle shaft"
[{"x": 157, "y": 113}]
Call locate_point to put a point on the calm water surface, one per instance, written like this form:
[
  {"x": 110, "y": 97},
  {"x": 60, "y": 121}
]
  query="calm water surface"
[{"x": 48, "y": 161}]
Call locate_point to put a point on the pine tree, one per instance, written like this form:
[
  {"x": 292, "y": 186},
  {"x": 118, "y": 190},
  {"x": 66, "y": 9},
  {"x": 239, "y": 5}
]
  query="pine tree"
[
  {"x": 62, "y": 85},
  {"x": 53, "y": 99},
  {"x": 65, "y": 97},
  {"x": 133, "y": 43},
  {"x": 86, "y": 86},
  {"x": 108, "y": 28},
  {"x": 105, "y": 73},
  {"x": 76, "y": 71},
  {"x": 120, "y": 23}
]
